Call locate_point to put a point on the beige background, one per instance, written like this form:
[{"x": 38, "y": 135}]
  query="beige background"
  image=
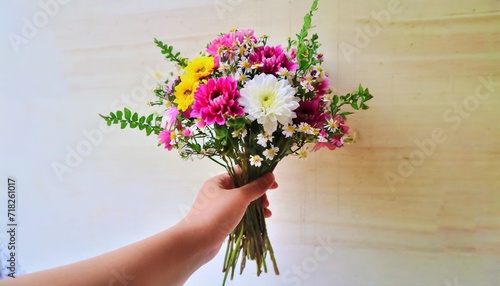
[{"x": 415, "y": 202}]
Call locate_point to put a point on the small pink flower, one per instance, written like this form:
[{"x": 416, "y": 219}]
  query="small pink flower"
[
  {"x": 188, "y": 132},
  {"x": 337, "y": 140},
  {"x": 271, "y": 59},
  {"x": 169, "y": 118},
  {"x": 323, "y": 86},
  {"x": 165, "y": 138},
  {"x": 230, "y": 40},
  {"x": 320, "y": 145},
  {"x": 216, "y": 100}
]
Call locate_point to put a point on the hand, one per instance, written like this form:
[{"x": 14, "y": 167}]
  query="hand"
[{"x": 219, "y": 206}]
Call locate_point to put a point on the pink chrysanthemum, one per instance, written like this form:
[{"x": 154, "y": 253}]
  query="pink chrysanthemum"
[
  {"x": 271, "y": 59},
  {"x": 216, "y": 100},
  {"x": 165, "y": 138},
  {"x": 169, "y": 118}
]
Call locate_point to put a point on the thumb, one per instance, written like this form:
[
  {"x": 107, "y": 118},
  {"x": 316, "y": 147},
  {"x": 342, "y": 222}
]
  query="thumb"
[{"x": 256, "y": 188}]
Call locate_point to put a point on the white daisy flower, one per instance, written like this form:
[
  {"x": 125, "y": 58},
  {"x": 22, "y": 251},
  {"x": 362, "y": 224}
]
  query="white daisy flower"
[
  {"x": 263, "y": 138},
  {"x": 270, "y": 101},
  {"x": 240, "y": 132},
  {"x": 284, "y": 72},
  {"x": 332, "y": 125},
  {"x": 303, "y": 154},
  {"x": 306, "y": 128},
  {"x": 288, "y": 131},
  {"x": 322, "y": 139},
  {"x": 256, "y": 160},
  {"x": 271, "y": 152}
]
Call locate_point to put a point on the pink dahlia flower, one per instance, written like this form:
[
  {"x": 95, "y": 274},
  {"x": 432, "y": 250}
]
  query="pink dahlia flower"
[
  {"x": 271, "y": 59},
  {"x": 311, "y": 112},
  {"x": 216, "y": 100}
]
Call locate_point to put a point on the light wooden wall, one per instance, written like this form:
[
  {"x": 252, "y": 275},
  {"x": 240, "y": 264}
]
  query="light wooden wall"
[{"x": 416, "y": 201}]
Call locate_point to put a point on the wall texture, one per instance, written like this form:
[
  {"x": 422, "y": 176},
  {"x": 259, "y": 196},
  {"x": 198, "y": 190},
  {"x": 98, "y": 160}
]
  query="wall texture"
[{"x": 416, "y": 201}]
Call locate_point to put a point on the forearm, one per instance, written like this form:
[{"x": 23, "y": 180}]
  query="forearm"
[{"x": 167, "y": 258}]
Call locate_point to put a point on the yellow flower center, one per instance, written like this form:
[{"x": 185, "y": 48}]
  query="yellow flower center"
[{"x": 267, "y": 98}]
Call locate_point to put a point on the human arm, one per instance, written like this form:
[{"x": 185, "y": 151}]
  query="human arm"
[{"x": 171, "y": 256}]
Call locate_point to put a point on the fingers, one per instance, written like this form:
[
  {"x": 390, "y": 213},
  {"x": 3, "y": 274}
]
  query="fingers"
[
  {"x": 267, "y": 213},
  {"x": 264, "y": 201},
  {"x": 258, "y": 187}
]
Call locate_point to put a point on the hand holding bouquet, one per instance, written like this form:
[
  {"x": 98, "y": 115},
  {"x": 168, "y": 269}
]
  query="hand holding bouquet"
[{"x": 246, "y": 105}]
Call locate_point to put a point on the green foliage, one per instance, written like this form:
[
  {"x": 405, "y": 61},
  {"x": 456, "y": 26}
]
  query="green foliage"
[
  {"x": 150, "y": 124},
  {"x": 168, "y": 51},
  {"x": 307, "y": 48},
  {"x": 357, "y": 100}
]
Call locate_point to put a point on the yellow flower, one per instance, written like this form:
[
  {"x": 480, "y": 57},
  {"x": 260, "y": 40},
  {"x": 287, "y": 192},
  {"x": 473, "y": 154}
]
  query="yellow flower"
[
  {"x": 184, "y": 92},
  {"x": 200, "y": 67}
]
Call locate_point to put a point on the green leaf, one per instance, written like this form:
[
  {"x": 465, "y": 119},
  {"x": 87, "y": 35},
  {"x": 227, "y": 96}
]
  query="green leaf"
[
  {"x": 148, "y": 130},
  {"x": 119, "y": 114},
  {"x": 142, "y": 119},
  {"x": 170, "y": 55},
  {"x": 127, "y": 113},
  {"x": 220, "y": 131},
  {"x": 343, "y": 114},
  {"x": 133, "y": 124},
  {"x": 195, "y": 147},
  {"x": 123, "y": 124},
  {"x": 150, "y": 118},
  {"x": 135, "y": 116},
  {"x": 335, "y": 99}
]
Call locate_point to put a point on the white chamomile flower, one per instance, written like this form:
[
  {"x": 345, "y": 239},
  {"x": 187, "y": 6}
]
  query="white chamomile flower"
[
  {"x": 303, "y": 154},
  {"x": 270, "y": 101},
  {"x": 256, "y": 160},
  {"x": 240, "y": 132},
  {"x": 271, "y": 152},
  {"x": 244, "y": 66},
  {"x": 305, "y": 128},
  {"x": 322, "y": 139},
  {"x": 240, "y": 76},
  {"x": 284, "y": 72},
  {"x": 263, "y": 138},
  {"x": 288, "y": 130},
  {"x": 332, "y": 125}
]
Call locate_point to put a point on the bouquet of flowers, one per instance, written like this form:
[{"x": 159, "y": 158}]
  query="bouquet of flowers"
[{"x": 246, "y": 105}]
